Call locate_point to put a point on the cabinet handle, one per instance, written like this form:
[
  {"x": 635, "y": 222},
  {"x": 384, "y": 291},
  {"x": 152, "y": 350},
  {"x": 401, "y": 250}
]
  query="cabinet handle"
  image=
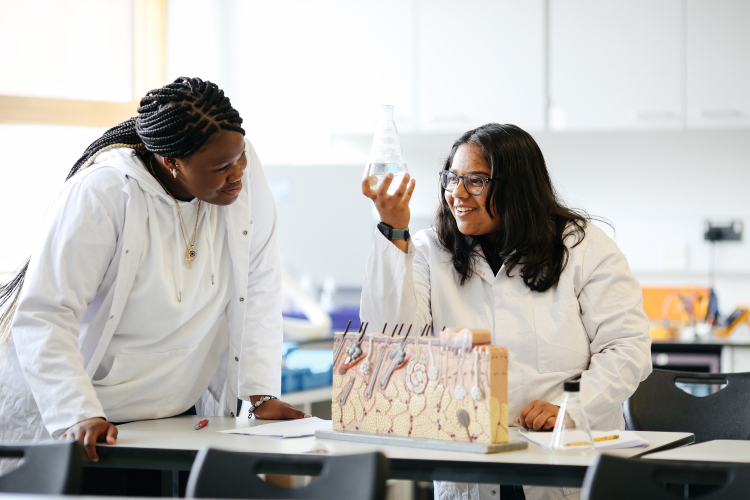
[
  {"x": 718, "y": 114},
  {"x": 653, "y": 115}
]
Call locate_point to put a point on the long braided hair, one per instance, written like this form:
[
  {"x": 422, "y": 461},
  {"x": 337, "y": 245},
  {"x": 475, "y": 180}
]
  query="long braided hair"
[{"x": 174, "y": 121}]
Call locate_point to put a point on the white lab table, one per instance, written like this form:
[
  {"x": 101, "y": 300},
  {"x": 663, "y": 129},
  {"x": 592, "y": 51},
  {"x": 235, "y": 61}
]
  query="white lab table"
[
  {"x": 720, "y": 450},
  {"x": 25, "y": 496},
  {"x": 171, "y": 445}
]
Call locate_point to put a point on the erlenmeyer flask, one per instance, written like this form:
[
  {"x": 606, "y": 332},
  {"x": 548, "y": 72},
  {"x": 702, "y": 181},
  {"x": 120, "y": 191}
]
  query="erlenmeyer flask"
[
  {"x": 385, "y": 154},
  {"x": 569, "y": 436}
]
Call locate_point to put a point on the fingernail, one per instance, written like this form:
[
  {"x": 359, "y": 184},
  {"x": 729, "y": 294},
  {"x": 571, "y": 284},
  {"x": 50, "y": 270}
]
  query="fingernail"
[
  {"x": 96, "y": 459},
  {"x": 307, "y": 415}
]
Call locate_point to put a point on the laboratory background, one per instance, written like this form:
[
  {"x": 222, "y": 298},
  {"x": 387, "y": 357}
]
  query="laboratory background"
[{"x": 641, "y": 108}]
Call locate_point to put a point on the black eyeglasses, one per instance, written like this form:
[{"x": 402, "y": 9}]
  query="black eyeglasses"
[{"x": 473, "y": 183}]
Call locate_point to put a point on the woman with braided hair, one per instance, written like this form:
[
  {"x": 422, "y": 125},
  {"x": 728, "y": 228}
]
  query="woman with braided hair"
[{"x": 155, "y": 291}]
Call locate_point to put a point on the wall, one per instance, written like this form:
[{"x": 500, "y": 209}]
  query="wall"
[
  {"x": 657, "y": 189},
  {"x": 34, "y": 161},
  {"x": 325, "y": 229}
]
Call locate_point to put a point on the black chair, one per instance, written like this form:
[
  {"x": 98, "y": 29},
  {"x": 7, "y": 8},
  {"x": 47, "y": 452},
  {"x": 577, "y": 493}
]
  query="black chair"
[
  {"x": 47, "y": 468},
  {"x": 659, "y": 405},
  {"x": 227, "y": 474},
  {"x": 615, "y": 478}
]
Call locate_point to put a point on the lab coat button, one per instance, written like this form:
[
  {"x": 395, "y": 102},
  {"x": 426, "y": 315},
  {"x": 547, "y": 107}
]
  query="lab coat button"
[
  {"x": 244, "y": 232},
  {"x": 242, "y": 299},
  {"x": 126, "y": 251},
  {"x": 236, "y": 358},
  {"x": 231, "y": 414}
]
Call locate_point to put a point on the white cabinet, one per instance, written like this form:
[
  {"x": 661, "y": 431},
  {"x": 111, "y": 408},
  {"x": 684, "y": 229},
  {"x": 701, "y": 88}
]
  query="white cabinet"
[
  {"x": 480, "y": 61},
  {"x": 304, "y": 70},
  {"x": 615, "y": 65},
  {"x": 718, "y": 63},
  {"x": 370, "y": 51}
]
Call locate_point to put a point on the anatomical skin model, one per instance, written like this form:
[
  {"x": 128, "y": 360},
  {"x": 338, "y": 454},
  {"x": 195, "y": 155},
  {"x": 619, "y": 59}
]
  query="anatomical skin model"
[{"x": 454, "y": 387}]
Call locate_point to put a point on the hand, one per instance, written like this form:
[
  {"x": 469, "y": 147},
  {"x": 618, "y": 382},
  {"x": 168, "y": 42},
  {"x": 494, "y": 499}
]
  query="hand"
[
  {"x": 89, "y": 432},
  {"x": 393, "y": 208},
  {"x": 538, "y": 415},
  {"x": 276, "y": 409}
]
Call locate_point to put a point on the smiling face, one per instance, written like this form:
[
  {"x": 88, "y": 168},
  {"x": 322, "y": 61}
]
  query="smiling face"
[
  {"x": 213, "y": 174},
  {"x": 470, "y": 211}
]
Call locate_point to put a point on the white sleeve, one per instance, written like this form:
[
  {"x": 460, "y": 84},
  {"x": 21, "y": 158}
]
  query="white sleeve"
[
  {"x": 612, "y": 312},
  {"x": 260, "y": 372},
  {"x": 79, "y": 241},
  {"x": 396, "y": 289}
]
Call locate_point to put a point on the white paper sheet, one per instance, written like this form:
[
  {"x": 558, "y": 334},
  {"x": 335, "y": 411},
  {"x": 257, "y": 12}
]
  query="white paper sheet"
[
  {"x": 301, "y": 427},
  {"x": 626, "y": 439}
]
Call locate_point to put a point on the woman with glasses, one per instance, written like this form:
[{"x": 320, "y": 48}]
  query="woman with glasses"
[{"x": 507, "y": 255}]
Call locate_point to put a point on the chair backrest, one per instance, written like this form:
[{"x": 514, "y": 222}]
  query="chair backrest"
[
  {"x": 659, "y": 405},
  {"x": 47, "y": 468},
  {"x": 226, "y": 474},
  {"x": 615, "y": 478}
]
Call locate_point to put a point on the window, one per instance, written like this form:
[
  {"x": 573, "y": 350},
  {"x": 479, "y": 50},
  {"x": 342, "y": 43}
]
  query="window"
[{"x": 79, "y": 63}]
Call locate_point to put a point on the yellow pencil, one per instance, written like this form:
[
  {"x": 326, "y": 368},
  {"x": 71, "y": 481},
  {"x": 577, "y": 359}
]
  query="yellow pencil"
[
  {"x": 607, "y": 438},
  {"x": 603, "y": 438}
]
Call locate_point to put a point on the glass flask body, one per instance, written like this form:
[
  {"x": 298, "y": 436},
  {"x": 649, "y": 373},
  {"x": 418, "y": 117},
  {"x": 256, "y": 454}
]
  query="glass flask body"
[
  {"x": 571, "y": 436},
  {"x": 385, "y": 154}
]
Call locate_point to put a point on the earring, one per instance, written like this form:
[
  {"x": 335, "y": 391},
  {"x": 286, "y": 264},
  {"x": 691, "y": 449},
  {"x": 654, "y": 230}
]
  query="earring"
[{"x": 174, "y": 173}]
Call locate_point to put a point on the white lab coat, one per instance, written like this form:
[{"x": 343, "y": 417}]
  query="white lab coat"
[
  {"x": 81, "y": 275},
  {"x": 591, "y": 323}
]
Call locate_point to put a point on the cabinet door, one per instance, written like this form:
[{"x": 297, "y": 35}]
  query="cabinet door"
[
  {"x": 307, "y": 69},
  {"x": 480, "y": 61},
  {"x": 615, "y": 65},
  {"x": 718, "y": 63}
]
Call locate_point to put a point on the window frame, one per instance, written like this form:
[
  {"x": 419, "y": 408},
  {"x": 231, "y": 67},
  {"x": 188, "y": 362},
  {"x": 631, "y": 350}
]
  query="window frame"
[{"x": 149, "y": 72}]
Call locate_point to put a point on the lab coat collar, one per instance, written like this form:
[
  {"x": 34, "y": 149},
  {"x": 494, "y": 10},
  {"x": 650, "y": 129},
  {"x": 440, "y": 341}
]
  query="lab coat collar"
[
  {"x": 482, "y": 267},
  {"x": 484, "y": 270}
]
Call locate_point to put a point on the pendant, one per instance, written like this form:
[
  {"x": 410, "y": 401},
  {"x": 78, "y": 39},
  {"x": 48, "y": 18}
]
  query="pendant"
[{"x": 190, "y": 256}]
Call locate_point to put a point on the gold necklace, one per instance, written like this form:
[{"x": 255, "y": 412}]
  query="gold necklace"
[{"x": 189, "y": 248}]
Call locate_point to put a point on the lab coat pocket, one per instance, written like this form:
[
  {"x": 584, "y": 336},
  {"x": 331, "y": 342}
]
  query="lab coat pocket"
[{"x": 561, "y": 340}]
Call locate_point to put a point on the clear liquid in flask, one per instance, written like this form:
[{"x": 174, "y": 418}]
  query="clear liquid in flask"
[{"x": 378, "y": 171}]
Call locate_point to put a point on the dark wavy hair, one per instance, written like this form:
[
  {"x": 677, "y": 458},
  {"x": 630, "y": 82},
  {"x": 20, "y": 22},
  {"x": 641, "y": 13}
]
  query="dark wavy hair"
[{"x": 535, "y": 222}]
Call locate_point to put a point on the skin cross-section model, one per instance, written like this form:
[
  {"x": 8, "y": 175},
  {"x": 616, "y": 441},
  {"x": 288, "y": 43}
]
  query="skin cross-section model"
[{"x": 453, "y": 388}]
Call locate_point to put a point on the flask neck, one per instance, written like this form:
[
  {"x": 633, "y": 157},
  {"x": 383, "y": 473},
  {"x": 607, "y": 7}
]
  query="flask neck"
[
  {"x": 571, "y": 398},
  {"x": 386, "y": 113}
]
